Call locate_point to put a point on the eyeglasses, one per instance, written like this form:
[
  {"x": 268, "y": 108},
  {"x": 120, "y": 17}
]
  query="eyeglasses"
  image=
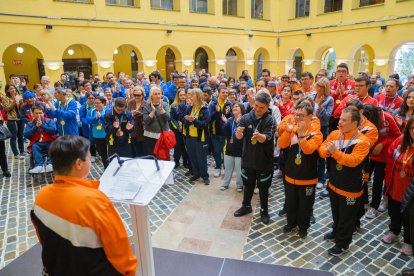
[
  {"x": 137, "y": 95},
  {"x": 91, "y": 98},
  {"x": 300, "y": 115}
]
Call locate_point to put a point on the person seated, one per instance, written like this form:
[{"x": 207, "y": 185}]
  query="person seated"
[
  {"x": 80, "y": 231},
  {"x": 41, "y": 132}
]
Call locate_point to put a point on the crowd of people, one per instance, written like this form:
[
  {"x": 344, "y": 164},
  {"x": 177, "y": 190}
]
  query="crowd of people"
[{"x": 332, "y": 134}]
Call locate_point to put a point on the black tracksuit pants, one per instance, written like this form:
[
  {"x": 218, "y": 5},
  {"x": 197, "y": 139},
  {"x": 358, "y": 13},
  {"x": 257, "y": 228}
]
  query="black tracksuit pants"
[
  {"x": 299, "y": 204},
  {"x": 262, "y": 179}
]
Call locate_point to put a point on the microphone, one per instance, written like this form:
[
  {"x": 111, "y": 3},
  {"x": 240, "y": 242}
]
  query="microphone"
[{"x": 121, "y": 162}]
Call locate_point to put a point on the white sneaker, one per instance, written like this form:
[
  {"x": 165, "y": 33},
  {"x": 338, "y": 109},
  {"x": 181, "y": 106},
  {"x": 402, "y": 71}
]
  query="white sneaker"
[
  {"x": 319, "y": 185},
  {"x": 371, "y": 213},
  {"x": 38, "y": 169},
  {"x": 19, "y": 157},
  {"x": 383, "y": 205},
  {"x": 390, "y": 237},
  {"x": 223, "y": 188},
  {"x": 49, "y": 168},
  {"x": 217, "y": 172},
  {"x": 256, "y": 190},
  {"x": 240, "y": 189},
  {"x": 93, "y": 159},
  {"x": 406, "y": 249}
]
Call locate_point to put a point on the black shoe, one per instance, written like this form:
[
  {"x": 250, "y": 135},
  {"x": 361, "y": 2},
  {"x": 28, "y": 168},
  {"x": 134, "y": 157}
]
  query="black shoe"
[
  {"x": 185, "y": 165},
  {"x": 312, "y": 219},
  {"x": 193, "y": 178},
  {"x": 287, "y": 229},
  {"x": 206, "y": 181},
  {"x": 176, "y": 165},
  {"x": 6, "y": 174},
  {"x": 408, "y": 272},
  {"x": 329, "y": 236},
  {"x": 337, "y": 250},
  {"x": 323, "y": 194},
  {"x": 282, "y": 213},
  {"x": 356, "y": 229},
  {"x": 188, "y": 173},
  {"x": 264, "y": 217},
  {"x": 244, "y": 210},
  {"x": 303, "y": 233}
]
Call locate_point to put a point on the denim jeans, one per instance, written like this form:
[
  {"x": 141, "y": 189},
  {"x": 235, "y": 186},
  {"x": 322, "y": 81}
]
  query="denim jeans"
[
  {"x": 322, "y": 161},
  {"x": 232, "y": 163},
  {"x": 16, "y": 128},
  {"x": 218, "y": 145},
  {"x": 38, "y": 149},
  {"x": 197, "y": 153}
]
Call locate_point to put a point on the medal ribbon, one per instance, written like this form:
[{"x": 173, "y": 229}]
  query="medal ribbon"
[
  {"x": 233, "y": 128},
  {"x": 405, "y": 159},
  {"x": 350, "y": 141},
  {"x": 384, "y": 107}
]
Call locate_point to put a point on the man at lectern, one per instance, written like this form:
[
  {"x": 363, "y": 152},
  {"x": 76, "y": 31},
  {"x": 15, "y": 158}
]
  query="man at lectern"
[{"x": 78, "y": 226}]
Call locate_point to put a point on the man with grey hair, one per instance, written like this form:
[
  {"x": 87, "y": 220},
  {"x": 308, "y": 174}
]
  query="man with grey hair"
[{"x": 45, "y": 81}]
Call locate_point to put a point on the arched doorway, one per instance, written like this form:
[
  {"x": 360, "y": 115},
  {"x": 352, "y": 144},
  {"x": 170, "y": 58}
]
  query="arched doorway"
[
  {"x": 25, "y": 61},
  {"x": 231, "y": 63},
  {"x": 78, "y": 58},
  {"x": 404, "y": 60},
  {"x": 298, "y": 62},
  {"x": 126, "y": 58},
  {"x": 363, "y": 59},
  {"x": 169, "y": 63},
  {"x": 261, "y": 57},
  {"x": 201, "y": 59},
  {"x": 329, "y": 61}
]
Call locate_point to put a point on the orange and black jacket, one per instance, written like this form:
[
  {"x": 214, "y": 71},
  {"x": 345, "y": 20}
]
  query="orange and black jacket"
[
  {"x": 371, "y": 132},
  {"x": 306, "y": 172},
  {"x": 347, "y": 181},
  {"x": 80, "y": 231}
]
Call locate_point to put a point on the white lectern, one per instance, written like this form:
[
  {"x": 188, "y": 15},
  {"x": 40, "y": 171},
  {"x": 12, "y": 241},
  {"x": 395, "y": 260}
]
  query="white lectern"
[{"x": 136, "y": 183}]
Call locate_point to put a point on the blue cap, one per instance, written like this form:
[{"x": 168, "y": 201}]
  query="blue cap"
[{"x": 28, "y": 95}]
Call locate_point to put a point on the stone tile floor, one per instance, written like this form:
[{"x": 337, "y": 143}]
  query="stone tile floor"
[{"x": 265, "y": 243}]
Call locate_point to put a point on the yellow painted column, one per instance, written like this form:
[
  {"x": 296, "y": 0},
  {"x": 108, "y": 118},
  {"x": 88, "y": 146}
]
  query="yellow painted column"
[
  {"x": 53, "y": 69},
  {"x": 3, "y": 80},
  {"x": 215, "y": 65},
  {"x": 149, "y": 66},
  {"x": 187, "y": 64},
  {"x": 101, "y": 67}
]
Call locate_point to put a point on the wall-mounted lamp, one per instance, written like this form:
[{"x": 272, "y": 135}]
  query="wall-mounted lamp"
[
  {"x": 380, "y": 61},
  {"x": 250, "y": 35},
  {"x": 384, "y": 27},
  {"x": 150, "y": 62},
  {"x": 104, "y": 63},
  {"x": 220, "y": 62},
  {"x": 71, "y": 52},
  {"x": 52, "y": 65},
  {"x": 20, "y": 49},
  {"x": 187, "y": 62},
  {"x": 308, "y": 34},
  {"x": 250, "y": 61},
  {"x": 307, "y": 61},
  {"x": 115, "y": 51},
  {"x": 169, "y": 31}
]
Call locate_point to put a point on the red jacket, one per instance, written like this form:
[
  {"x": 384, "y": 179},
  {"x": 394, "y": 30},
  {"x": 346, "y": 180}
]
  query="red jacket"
[
  {"x": 396, "y": 183},
  {"x": 349, "y": 89},
  {"x": 389, "y": 104},
  {"x": 387, "y": 134}
]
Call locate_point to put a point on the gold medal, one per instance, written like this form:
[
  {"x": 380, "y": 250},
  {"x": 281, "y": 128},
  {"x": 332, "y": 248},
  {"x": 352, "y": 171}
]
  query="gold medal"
[
  {"x": 402, "y": 174},
  {"x": 62, "y": 122},
  {"x": 99, "y": 127},
  {"x": 254, "y": 141},
  {"x": 298, "y": 161},
  {"x": 339, "y": 167},
  {"x": 119, "y": 133},
  {"x": 338, "y": 101}
]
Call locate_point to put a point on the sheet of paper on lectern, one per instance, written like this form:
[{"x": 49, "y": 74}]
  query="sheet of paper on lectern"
[{"x": 136, "y": 181}]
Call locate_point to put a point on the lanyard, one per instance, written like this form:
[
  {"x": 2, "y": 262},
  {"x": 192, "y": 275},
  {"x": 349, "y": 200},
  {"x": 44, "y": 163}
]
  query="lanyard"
[
  {"x": 255, "y": 128},
  {"x": 65, "y": 106},
  {"x": 384, "y": 106},
  {"x": 233, "y": 128},
  {"x": 350, "y": 141},
  {"x": 405, "y": 159},
  {"x": 195, "y": 114}
]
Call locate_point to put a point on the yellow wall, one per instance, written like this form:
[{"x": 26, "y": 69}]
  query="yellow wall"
[{"x": 146, "y": 31}]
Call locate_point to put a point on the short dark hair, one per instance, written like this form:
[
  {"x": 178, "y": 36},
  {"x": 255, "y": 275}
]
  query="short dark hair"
[
  {"x": 65, "y": 150},
  {"x": 102, "y": 99},
  {"x": 396, "y": 81},
  {"x": 207, "y": 89},
  {"x": 38, "y": 106},
  {"x": 244, "y": 77},
  {"x": 306, "y": 106},
  {"x": 263, "y": 98},
  {"x": 120, "y": 102},
  {"x": 355, "y": 116},
  {"x": 364, "y": 79},
  {"x": 298, "y": 93},
  {"x": 357, "y": 103},
  {"x": 343, "y": 65},
  {"x": 12, "y": 76},
  {"x": 307, "y": 74},
  {"x": 266, "y": 71},
  {"x": 109, "y": 73},
  {"x": 222, "y": 87}
]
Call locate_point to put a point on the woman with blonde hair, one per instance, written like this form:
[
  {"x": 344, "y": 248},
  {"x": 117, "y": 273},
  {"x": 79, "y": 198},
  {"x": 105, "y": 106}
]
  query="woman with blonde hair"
[
  {"x": 196, "y": 118},
  {"x": 156, "y": 117},
  {"x": 136, "y": 106},
  {"x": 177, "y": 127}
]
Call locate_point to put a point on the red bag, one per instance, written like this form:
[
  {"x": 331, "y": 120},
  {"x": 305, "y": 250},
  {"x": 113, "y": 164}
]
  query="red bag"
[{"x": 166, "y": 142}]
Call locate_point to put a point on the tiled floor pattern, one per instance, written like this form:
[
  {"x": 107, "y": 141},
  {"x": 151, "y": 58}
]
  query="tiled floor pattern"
[{"x": 367, "y": 255}]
